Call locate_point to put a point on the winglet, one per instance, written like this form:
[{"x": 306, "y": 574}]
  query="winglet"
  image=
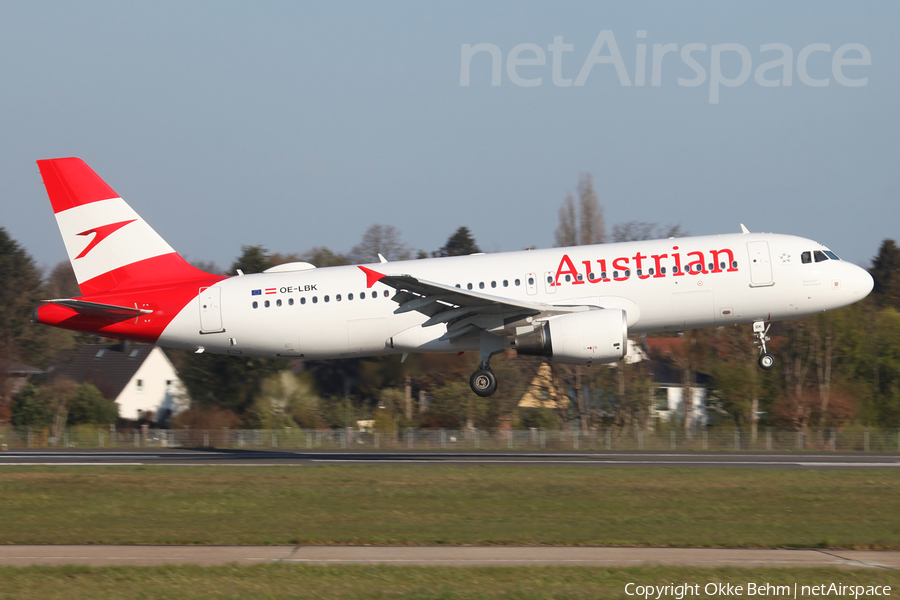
[{"x": 372, "y": 277}]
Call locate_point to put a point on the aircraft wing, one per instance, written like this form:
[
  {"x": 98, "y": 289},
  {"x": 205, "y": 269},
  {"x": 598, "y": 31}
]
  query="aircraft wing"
[
  {"x": 463, "y": 311},
  {"x": 96, "y": 309}
]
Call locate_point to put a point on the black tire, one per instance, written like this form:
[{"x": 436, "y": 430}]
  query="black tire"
[
  {"x": 483, "y": 382},
  {"x": 766, "y": 361}
]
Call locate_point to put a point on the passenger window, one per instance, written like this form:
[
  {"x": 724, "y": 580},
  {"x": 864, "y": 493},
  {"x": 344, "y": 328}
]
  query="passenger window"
[
  {"x": 640, "y": 272},
  {"x": 568, "y": 278},
  {"x": 255, "y": 304},
  {"x": 493, "y": 284},
  {"x": 303, "y": 300},
  {"x": 386, "y": 293},
  {"x": 819, "y": 256},
  {"x": 675, "y": 269},
  {"x": 362, "y": 295},
  {"x": 721, "y": 265},
  {"x": 603, "y": 275},
  {"x": 290, "y": 301},
  {"x": 530, "y": 280},
  {"x": 278, "y": 302},
  {"x": 481, "y": 285},
  {"x": 627, "y": 272},
  {"x": 469, "y": 286},
  {"x": 327, "y": 298},
  {"x": 580, "y": 277},
  {"x": 806, "y": 258},
  {"x": 315, "y": 300},
  {"x": 662, "y": 270},
  {"x": 615, "y": 274},
  {"x": 267, "y": 304},
  {"x": 734, "y": 264},
  {"x": 549, "y": 279},
  {"x": 506, "y": 283},
  {"x": 650, "y": 271},
  {"x": 349, "y": 296},
  {"x": 338, "y": 297}
]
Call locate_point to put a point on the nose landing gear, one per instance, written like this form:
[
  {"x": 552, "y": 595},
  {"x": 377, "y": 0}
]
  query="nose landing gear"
[{"x": 760, "y": 332}]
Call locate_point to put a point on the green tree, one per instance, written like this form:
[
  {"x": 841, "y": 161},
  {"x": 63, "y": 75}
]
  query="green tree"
[
  {"x": 88, "y": 406},
  {"x": 20, "y": 294},
  {"x": 29, "y": 409},
  {"x": 461, "y": 243},
  {"x": 886, "y": 273},
  {"x": 253, "y": 259},
  {"x": 321, "y": 256}
]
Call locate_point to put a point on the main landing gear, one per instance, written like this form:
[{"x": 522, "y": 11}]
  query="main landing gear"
[
  {"x": 760, "y": 332},
  {"x": 483, "y": 381}
]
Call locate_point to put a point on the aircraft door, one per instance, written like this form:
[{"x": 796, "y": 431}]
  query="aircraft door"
[
  {"x": 531, "y": 284},
  {"x": 211, "y": 310},
  {"x": 548, "y": 282},
  {"x": 760, "y": 264}
]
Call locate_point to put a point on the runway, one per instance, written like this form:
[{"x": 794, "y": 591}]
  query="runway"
[
  {"x": 460, "y": 556},
  {"x": 249, "y": 458}
]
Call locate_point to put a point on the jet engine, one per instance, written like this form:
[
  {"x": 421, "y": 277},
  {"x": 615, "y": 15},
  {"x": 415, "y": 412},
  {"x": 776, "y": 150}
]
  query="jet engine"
[{"x": 584, "y": 338}]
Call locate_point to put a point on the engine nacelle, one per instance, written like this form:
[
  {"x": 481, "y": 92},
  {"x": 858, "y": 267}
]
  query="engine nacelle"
[{"x": 594, "y": 336}]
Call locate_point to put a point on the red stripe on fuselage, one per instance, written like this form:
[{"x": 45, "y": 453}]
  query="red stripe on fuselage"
[
  {"x": 165, "y": 302},
  {"x": 164, "y": 284}
]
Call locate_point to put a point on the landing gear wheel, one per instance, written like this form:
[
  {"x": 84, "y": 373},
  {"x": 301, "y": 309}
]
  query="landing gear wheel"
[
  {"x": 483, "y": 382},
  {"x": 766, "y": 361}
]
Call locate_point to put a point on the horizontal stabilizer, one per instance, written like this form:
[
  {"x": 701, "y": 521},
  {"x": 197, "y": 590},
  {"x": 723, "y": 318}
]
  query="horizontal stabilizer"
[{"x": 95, "y": 309}]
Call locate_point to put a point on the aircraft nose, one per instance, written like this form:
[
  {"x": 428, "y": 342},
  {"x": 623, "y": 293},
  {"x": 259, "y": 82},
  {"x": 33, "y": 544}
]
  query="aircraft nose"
[{"x": 862, "y": 282}]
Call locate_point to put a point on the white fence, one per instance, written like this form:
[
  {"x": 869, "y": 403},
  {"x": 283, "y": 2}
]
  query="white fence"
[{"x": 767, "y": 439}]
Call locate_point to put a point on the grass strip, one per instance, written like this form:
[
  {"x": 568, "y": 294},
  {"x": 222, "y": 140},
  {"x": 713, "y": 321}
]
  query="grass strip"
[
  {"x": 376, "y": 504},
  {"x": 273, "y": 581}
]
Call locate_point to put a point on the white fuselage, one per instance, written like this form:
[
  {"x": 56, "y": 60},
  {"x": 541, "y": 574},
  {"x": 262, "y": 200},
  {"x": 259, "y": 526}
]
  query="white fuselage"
[{"x": 331, "y": 313}]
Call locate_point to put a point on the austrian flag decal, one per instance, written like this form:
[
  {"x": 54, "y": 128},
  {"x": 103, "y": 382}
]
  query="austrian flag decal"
[{"x": 271, "y": 290}]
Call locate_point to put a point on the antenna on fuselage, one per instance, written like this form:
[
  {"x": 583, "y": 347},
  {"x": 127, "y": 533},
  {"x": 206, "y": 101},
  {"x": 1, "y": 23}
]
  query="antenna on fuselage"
[{"x": 744, "y": 229}]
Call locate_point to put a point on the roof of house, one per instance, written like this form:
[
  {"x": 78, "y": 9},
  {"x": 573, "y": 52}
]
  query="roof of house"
[
  {"x": 12, "y": 367},
  {"x": 108, "y": 367}
]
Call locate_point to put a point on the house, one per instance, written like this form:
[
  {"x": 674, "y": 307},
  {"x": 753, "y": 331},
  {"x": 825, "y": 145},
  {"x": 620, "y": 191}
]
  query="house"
[
  {"x": 669, "y": 391},
  {"x": 140, "y": 378},
  {"x": 13, "y": 377},
  {"x": 17, "y": 375},
  {"x": 669, "y": 379}
]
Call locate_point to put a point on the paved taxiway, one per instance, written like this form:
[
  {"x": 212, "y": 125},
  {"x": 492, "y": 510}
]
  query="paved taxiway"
[
  {"x": 96, "y": 555},
  {"x": 200, "y": 457}
]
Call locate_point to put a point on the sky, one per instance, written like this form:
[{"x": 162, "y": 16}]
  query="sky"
[{"x": 300, "y": 124}]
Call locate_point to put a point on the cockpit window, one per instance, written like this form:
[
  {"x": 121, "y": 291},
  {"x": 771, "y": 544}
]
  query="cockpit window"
[
  {"x": 819, "y": 256},
  {"x": 831, "y": 255},
  {"x": 806, "y": 257}
]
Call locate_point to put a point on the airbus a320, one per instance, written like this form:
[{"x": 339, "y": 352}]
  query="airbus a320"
[{"x": 571, "y": 305}]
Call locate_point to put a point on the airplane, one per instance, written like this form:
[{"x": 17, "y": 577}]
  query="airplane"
[{"x": 573, "y": 305}]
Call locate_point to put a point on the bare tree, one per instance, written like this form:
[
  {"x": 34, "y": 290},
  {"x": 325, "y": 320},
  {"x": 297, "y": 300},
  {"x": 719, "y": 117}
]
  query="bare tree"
[
  {"x": 586, "y": 226},
  {"x": 593, "y": 226},
  {"x": 380, "y": 239},
  {"x": 641, "y": 230}
]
